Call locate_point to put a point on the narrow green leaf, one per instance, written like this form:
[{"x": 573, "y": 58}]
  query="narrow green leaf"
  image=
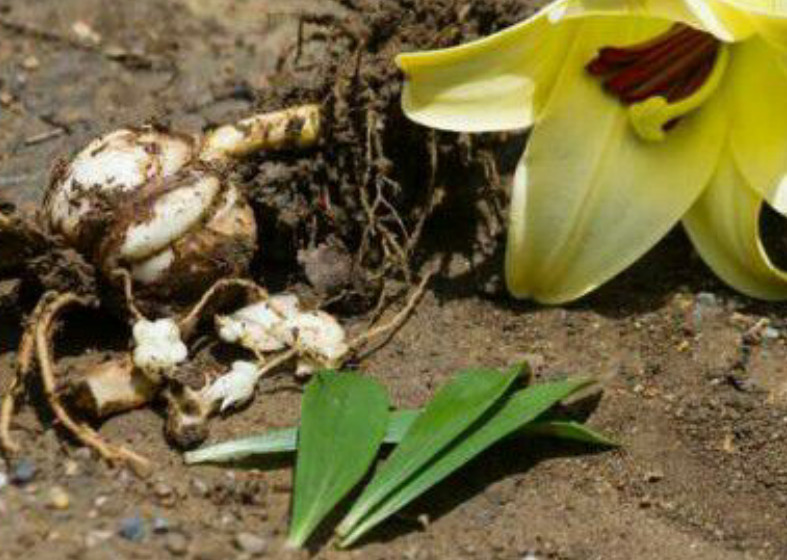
[
  {"x": 400, "y": 424},
  {"x": 514, "y": 413},
  {"x": 454, "y": 408},
  {"x": 569, "y": 430},
  {"x": 343, "y": 421},
  {"x": 284, "y": 440}
]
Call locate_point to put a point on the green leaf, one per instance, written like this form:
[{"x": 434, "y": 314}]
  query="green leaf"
[
  {"x": 455, "y": 407},
  {"x": 400, "y": 424},
  {"x": 284, "y": 440},
  {"x": 343, "y": 421},
  {"x": 514, "y": 413},
  {"x": 569, "y": 430}
]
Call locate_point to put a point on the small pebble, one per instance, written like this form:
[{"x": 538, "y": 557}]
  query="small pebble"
[
  {"x": 160, "y": 525},
  {"x": 251, "y": 544},
  {"x": 6, "y": 98},
  {"x": 707, "y": 299},
  {"x": 95, "y": 538},
  {"x": 162, "y": 490},
  {"x": 83, "y": 454},
  {"x": 59, "y": 498},
  {"x": 177, "y": 544},
  {"x": 770, "y": 333},
  {"x": 86, "y": 33},
  {"x": 24, "y": 472},
  {"x": 654, "y": 476},
  {"x": 30, "y": 63},
  {"x": 132, "y": 528},
  {"x": 199, "y": 488},
  {"x": 71, "y": 468}
]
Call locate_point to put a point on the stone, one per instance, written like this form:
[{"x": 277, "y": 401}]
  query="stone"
[
  {"x": 162, "y": 490},
  {"x": 59, "y": 498},
  {"x": 251, "y": 544},
  {"x": 654, "y": 476},
  {"x": 132, "y": 528},
  {"x": 770, "y": 333},
  {"x": 71, "y": 468},
  {"x": 95, "y": 538},
  {"x": 24, "y": 472},
  {"x": 160, "y": 525},
  {"x": 177, "y": 544}
]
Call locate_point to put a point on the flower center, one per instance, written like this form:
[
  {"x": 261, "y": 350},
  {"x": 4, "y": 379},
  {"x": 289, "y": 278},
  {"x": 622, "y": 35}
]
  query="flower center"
[{"x": 663, "y": 79}]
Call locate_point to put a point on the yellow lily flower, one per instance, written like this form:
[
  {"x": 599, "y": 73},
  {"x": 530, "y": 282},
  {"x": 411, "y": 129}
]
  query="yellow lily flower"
[{"x": 645, "y": 113}]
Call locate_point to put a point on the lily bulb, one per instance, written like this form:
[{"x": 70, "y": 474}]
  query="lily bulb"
[
  {"x": 644, "y": 114},
  {"x": 160, "y": 205}
]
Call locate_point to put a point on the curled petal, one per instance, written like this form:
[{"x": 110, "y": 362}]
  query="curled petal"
[
  {"x": 590, "y": 197},
  {"x": 713, "y": 16},
  {"x": 496, "y": 83},
  {"x": 757, "y": 90},
  {"x": 724, "y": 227}
]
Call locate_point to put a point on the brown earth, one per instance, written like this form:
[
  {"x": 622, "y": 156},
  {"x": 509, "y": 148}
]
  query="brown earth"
[{"x": 694, "y": 375}]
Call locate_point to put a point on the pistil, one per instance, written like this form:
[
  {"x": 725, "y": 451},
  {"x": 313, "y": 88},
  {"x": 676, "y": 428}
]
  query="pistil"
[{"x": 663, "y": 79}]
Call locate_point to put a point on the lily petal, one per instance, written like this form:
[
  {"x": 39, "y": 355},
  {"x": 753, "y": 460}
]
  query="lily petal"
[
  {"x": 496, "y": 83},
  {"x": 757, "y": 90},
  {"x": 767, "y": 17},
  {"x": 713, "y": 16},
  {"x": 724, "y": 227},
  {"x": 766, "y": 8},
  {"x": 590, "y": 197}
]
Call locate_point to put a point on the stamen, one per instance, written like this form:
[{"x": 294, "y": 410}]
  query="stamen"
[
  {"x": 652, "y": 118},
  {"x": 664, "y": 78}
]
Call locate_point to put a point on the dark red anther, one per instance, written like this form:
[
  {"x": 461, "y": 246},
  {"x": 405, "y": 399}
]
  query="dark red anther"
[
  {"x": 652, "y": 64},
  {"x": 678, "y": 70},
  {"x": 673, "y": 65},
  {"x": 626, "y": 55},
  {"x": 694, "y": 82}
]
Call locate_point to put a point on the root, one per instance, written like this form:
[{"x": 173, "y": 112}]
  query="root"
[
  {"x": 189, "y": 322},
  {"x": 41, "y": 331},
  {"x": 389, "y": 328},
  {"x": 128, "y": 292},
  {"x": 25, "y": 362},
  {"x": 396, "y": 254}
]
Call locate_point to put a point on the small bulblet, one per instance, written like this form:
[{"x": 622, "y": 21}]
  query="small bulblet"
[{"x": 144, "y": 200}]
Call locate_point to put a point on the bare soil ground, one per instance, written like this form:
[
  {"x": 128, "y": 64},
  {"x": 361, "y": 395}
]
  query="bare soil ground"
[{"x": 695, "y": 376}]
